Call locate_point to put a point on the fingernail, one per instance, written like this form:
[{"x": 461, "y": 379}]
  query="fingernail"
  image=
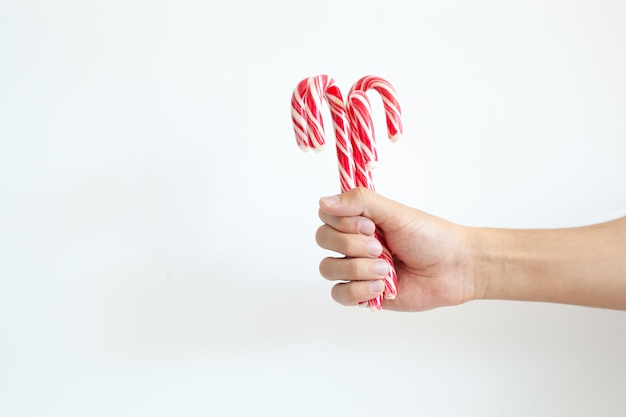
[
  {"x": 374, "y": 248},
  {"x": 330, "y": 200},
  {"x": 381, "y": 267},
  {"x": 377, "y": 286},
  {"x": 366, "y": 227}
]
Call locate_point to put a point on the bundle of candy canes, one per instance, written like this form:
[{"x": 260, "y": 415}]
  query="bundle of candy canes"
[{"x": 354, "y": 135}]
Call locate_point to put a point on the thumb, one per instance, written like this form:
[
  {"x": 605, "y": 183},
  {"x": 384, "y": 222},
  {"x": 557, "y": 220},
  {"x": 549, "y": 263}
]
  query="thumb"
[{"x": 363, "y": 202}]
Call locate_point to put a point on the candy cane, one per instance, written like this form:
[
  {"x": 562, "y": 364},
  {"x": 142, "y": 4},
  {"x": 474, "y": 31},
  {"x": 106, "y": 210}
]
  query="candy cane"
[
  {"x": 366, "y": 156},
  {"x": 362, "y": 131},
  {"x": 306, "y": 115},
  {"x": 393, "y": 115}
]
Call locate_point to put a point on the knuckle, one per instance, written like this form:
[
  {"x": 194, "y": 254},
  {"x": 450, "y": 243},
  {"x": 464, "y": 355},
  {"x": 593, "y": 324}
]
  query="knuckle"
[
  {"x": 353, "y": 245},
  {"x": 320, "y": 235},
  {"x": 356, "y": 269},
  {"x": 361, "y": 193},
  {"x": 345, "y": 225},
  {"x": 325, "y": 269},
  {"x": 320, "y": 214},
  {"x": 341, "y": 294}
]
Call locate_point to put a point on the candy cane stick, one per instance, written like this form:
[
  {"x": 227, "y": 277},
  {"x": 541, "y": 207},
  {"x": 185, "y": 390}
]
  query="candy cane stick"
[
  {"x": 361, "y": 133},
  {"x": 306, "y": 115},
  {"x": 363, "y": 143}
]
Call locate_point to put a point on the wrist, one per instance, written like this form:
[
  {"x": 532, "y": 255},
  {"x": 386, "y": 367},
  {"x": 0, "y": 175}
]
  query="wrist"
[{"x": 487, "y": 253}]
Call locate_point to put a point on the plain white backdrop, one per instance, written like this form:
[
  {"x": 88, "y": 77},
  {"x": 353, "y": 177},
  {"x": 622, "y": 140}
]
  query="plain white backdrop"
[{"x": 157, "y": 220}]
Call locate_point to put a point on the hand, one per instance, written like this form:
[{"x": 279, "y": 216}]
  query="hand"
[{"x": 429, "y": 253}]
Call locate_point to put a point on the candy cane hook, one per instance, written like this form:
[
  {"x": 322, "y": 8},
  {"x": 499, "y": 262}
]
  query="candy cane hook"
[{"x": 393, "y": 115}]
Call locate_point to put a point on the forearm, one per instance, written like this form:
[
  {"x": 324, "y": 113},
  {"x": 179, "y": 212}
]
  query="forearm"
[{"x": 582, "y": 266}]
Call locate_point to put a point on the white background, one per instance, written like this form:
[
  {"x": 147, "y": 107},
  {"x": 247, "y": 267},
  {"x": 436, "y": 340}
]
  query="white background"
[{"x": 157, "y": 220}]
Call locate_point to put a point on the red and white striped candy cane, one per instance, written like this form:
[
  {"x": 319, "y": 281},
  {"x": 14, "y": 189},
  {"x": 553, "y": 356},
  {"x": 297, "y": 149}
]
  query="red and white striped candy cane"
[
  {"x": 366, "y": 156},
  {"x": 306, "y": 103},
  {"x": 393, "y": 115}
]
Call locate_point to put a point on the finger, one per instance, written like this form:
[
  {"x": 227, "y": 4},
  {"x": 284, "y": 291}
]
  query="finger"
[
  {"x": 355, "y": 292},
  {"x": 358, "y": 246},
  {"x": 361, "y": 202},
  {"x": 349, "y": 269},
  {"x": 353, "y": 224}
]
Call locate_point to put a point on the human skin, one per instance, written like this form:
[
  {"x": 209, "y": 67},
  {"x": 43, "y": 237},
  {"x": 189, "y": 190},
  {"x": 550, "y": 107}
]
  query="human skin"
[{"x": 440, "y": 263}]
